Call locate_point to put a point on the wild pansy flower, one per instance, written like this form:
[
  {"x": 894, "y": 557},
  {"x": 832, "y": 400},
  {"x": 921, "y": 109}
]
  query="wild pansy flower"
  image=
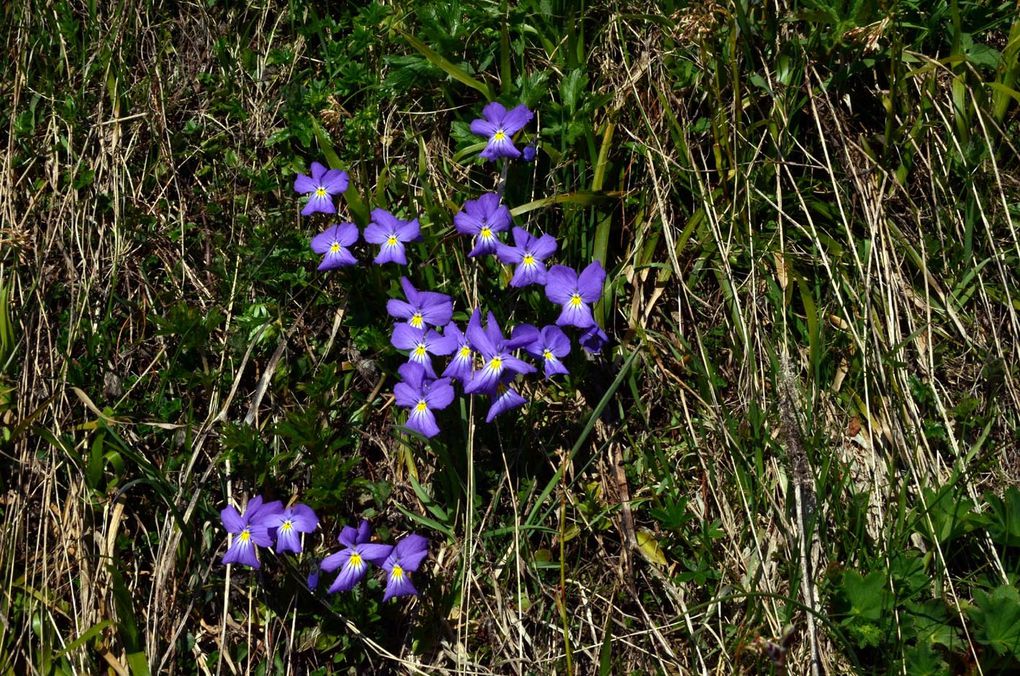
[
  {"x": 333, "y": 242},
  {"x": 402, "y": 561},
  {"x": 550, "y": 346},
  {"x": 483, "y": 218},
  {"x": 421, "y": 343},
  {"x": 594, "y": 339},
  {"x": 422, "y": 395},
  {"x": 289, "y": 524},
  {"x": 354, "y": 559},
  {"x": 504, "y": 398},
  {"x": 249, "y": 530},
  {"x": 498, "y": 125},
  {"x": 463, "y": 362},
  {"x": 421, "y": 307},
  {"x": 527, "y": 254},
  {"x": 496, "y": 351},
  {"x": 574, "y": 292},
  {"x": 320, "y": 188},
  {"x": 528, "y": 155},
  {"x": 391, "y": 232}
]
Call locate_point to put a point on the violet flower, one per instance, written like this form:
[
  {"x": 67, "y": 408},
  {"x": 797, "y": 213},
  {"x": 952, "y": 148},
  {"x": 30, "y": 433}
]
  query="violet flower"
[
  {"x": 249, "y": 530},
  {"x": 289, "y": 524},
  {"x": 421, "y": 343},
  {"x": 402, "y": 561},
  {"x": 528, "y": 254},
  {"x": 496, "y": 351},
  {"x": 392, "y": 233},
  {"x": 594, "y": 339},
  {"x": 550, "y": 346},
  {"x": 463, "y": 362},
  {"x": 353, "y": 560},
  {"x": 422, "y": 395},
  {"x": 575, "y": 292},
  {"x": 498, "y": 125},
  {"x": 421, "y": 307},
  {"x": 320, "y": 188},
  {"x": 333, "y": 242},
  {"x": 483, "y": 218},
  {"x": 504, "y": 398}
]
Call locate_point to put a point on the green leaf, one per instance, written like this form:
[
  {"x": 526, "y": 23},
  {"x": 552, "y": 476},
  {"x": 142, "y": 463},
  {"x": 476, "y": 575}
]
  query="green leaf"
[
  {"x": 456, "y": 72},
  {"x": 868, "y": 596},
  {"x": 996, "y": 620},
  {"x": 1004, "y": 518}
]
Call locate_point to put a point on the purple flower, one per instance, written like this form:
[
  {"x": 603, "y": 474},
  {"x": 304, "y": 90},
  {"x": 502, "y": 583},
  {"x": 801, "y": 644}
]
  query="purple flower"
[
  {"x": 550, "y": 346},
  {"x": 498, "y": 125},
  {"x": 504, "y": 398},
  {"x": 463, "y": 362},
  {"x": 422, "y": 395},
  {"x": 529, "y": 152},
  {"x": 320, "y": 188},
  {"x": 289, "y": 523},
  {"x": 421, "y": 343},
  {"x": 422, "y": 307},
  {"x": 594, "y": 339},
  {"x": 402, "y": 561},
  {"x": 250, "y": 530},
  {"x": 353, "y": 560},
  {"x": 392, "y": 233},
  {"x": 496, "y": 353},
  {"x": 574, "y": 292},
  {"x": 333, "y": 243},
  {"x": 528, "y": 255},
  {"x": 483, "y": 218}
]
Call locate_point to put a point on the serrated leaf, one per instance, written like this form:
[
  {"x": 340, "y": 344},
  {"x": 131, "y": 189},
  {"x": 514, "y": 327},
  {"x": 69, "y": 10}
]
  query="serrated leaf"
[{"x": 996, "y": 619}]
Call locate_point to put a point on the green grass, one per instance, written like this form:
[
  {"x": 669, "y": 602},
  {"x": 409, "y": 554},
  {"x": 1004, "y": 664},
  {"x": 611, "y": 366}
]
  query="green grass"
[{"x": 799, "y": 454}]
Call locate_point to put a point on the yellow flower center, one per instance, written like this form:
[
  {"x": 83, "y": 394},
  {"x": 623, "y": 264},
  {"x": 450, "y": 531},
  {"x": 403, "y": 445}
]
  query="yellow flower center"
[
  {"x": 416, "y": 321},
  {"x": 528, "y": 260},
  {"x": 286, "y": 525},
  {"x": 421, "y": 406},
  {"x": 391, "y": 240},
  {"x": 245, "y": 535},
  {"x": 486, "y": 232},
  {"x": 334, "y": 248},
  {"x": 549, "y": 356},
  {"x": 355, "y": 561},
  {"x": 500, "y": 135},
  {"x": 575, "y": 300},
  {"x": 496, "y": 363},
  {"x": 465, "y": 351},
  {"x": 321, "y": 192},
  {"x": 419, "y": 351},
  {"x": 397, "y": 573}
]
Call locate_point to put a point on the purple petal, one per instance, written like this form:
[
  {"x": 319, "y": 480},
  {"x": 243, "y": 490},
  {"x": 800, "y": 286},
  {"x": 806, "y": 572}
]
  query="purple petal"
[
  {"x": 510, "y": 255},
  {"x": 243, "y": 552},
  {"x": 516, "y": 119},
  {"x": 317, "y": 170},
  {"x": 554, "y": 367},
  {"x": 346, "y": 234},
  {"x": 511, "y": 363},
  {"x": 337, "y": 559},
  {"x": 590, "y": 282},
  {"x": 526, "y": 274},
  {"x": 413, "y": 375},
  {"x": 261, "y": 512},
  {"x": 443, "y": 345},
  {"x": 398, "y": 583},
  {"x": 477, "y": 336},
  {"x": 460, "y": 366},
  {"x": 409, "y": 231},
  {"x": 483, "y": 128},
  {"x": 232, "y": 520},
  {"x": 340, "y": 259},
  {"x": 500, "y": 148},
  {"x": 521, "y": 336},
  {"x": 422, "y": 421},
  {"x": 484, "y": 245},
  {"x": 260, "y": 535},
  {"x": 399, "y": 309},
  {"x": 335, "y": 181},
  {"x": 348, "y": 537},
  {"x": 594, "y": 339},
  {"x": 351, "y": 573},
  {"x": 436, "y": 308},
  {"x": 304, "y": 518},
  {"x": 406, "y": 337},
  {"x": 556, "y": 341},
  {"x": 465, "y": 223},
  {"x": 578, "y": 315},
  {"x": 493, "y": 331},
  {"x": 484, "y": 379},
  {"x": 405, "y": 395},
  {"x": 543, "y": 247},
  {"x": 391, "y": 254},
  {"x": 304, "y": 184},
  {"x": 319, "y": 204},
  {"x": 376, "y": 234},
  {"x": 375, "y": 553},
  {"x": 411, "y": 551},
  {"x": 440, "y": 394},
  {"x": 385, "y": 219},
  {"x": 322, "y": 241},
  {"x": 504, "y": 401},
  {"x": 560, "y": 283},
  {"x": 410, "y": 292},
  {"x": 253, "y": 506},
  {"x": 288, "y": 540},
  {"x": 364, "y": 532}
]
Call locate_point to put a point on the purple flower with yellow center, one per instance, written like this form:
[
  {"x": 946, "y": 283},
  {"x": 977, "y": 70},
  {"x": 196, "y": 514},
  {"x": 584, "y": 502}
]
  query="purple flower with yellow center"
[
  {"x": 402, "y": 561},
  {"x": 527, "y": 254},
  {"x": 353, "y": 560},
  {"x": 289, "y": 525},
  {"x": 333, "y": 244},
  {"x": 421, "y": 343},
  {"x": 421, "y": 307},
  {"x": 575, "y": 292},
  {"x": 496, "y": 351},
  {"x": 594, "y": 339},
  {"x": 498, "y": 125},
  {"x": 320, "y": 188},
  {"x": 504, "y": 398},
  {"x": 249, "y": 530},
  {"x": 392, "y": 233},
  {"x": 483, "y": 218},
  {"x": 463, "y": 362},
  {"x": 422, "y": 395},
  {"x": 550, "y": 346}
]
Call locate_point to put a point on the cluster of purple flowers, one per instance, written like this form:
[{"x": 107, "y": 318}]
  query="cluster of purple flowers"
[{"x": 264, "y": 523}]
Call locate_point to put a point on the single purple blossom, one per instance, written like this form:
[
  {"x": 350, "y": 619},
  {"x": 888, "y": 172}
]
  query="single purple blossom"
[
  {"x": 421, "y": 307},
  {"x": 289, "y": 524},
  {"x": 320, "y": 188},
  {"x": 249, "y": 530},
  {"x": 333, "y": 244},
  {"x": 575, "y": 292},
  {"x": 496, "y": 351},
  {"x": 550, "y": 346},
  {"x": 527, "y": 254},
  {"x": 498, "y": 125},
  {"x": 402, "y": 561},
  {"x": 483, "y": 218},
  {"x": 421, "y": 343},
  {"x": 504, "y": 398},
  {"x": 422, "y": 395},
  {"x": 353, "y": 560},
  {"x": 392, "y": 233},
  {"x": 528, "y": 155},
  {"x": 463, "y": 362},
  {"x": 594, "y": 339}
]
